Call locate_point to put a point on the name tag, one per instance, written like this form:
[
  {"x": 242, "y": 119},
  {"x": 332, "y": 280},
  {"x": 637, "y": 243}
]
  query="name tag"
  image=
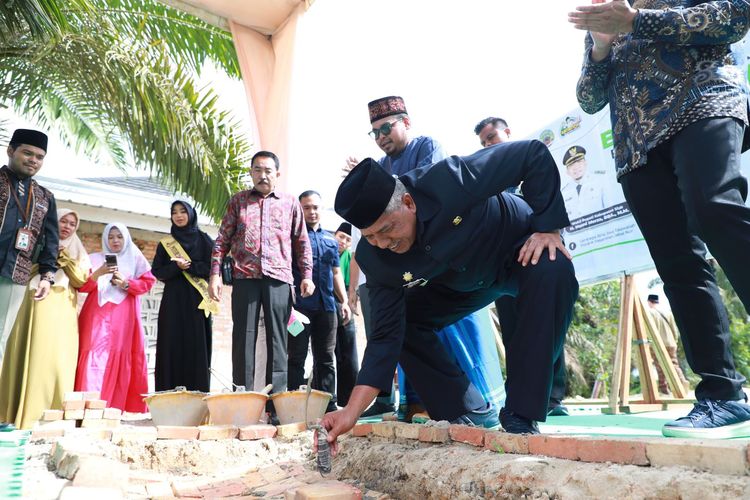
[
  {"x": 416, "y": 282},
  {"x": 23, "y": 239}
]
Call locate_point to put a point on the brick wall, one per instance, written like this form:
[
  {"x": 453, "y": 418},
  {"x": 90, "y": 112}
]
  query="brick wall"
[{"x": 147, "y": 241}]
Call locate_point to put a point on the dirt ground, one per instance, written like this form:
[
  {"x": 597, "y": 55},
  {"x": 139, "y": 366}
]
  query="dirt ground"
[{"x": 402, "y": 469}]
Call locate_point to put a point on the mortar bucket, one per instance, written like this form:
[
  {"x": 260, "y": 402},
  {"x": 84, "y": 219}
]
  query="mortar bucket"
[
  {"x": 236, "y": 408},
  {"x": 290, "y": 405},
  {"x": 177, "y": 407}
]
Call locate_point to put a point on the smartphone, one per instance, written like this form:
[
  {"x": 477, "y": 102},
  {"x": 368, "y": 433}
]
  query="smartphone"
[{"x": 110, "y": 260}]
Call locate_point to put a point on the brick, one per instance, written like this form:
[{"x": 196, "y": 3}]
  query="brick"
[
  {"x": 112, "y": 414},
  {"x": 51, "y": 415},
  {"x": 274, "y": 490},
  {"x": 257, "y": 431},
  {"x": 95, "y": 404},
  {"x": 719, "y": 457},
  {"x": 42, "y": 433},
  {"x": 83, "y": 493},
  {"x": 91, "y": 395},
  {"x": 98, "y": 423},
  {"x": 73, "y": 396},
  {"x": 466, "y": 434},
  {"x": 176, "y": 432},
  {"x": 213, "y": 432},
  {"x": 273, "y": 473},
  {"x": 254, "y": 479},
  {"x": 160, "y": 489},
  {"x": 222, "y": 489},
  {"x": 56, "y": 424},
  {"x": 289, "y": 430},
  {"x": 101, "y": 472},
  {"x": 89, "y": 433},
  {"x": 93, "y": 414},
  {"x": 434, "y": 434},
  {"x": 73, "y": 414},
  {"x": 129, "y": 434},
  {"x": 553, "y": 446},
  {"x": 361, "y": 430},
  {"x": 183, "y": 488},
  {"x": 384, "y": 429},
  {"x": 326, "y": 490},
  {"x": 76, "y": 404},
  {"x": 504, "y": 442},
  {"x": 406, "y": 431},
  {"x": 620, "y": 451}
]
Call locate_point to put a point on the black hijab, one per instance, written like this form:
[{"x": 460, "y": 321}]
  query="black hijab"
[{"x": 189, "y": 236}]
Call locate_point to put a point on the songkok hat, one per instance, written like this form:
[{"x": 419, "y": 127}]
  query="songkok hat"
[
  {"x": 386, "y": 106},
  {"x": 364, "y": 194},
  {"x": 573, "y": 154},
  {"x": 653, "y": 298},
  {"x": 345, "y": 228},
  {"x": 30, "y": 137}
]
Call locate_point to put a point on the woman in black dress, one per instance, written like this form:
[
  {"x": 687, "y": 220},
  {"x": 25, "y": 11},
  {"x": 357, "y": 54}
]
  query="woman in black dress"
[{"x": 183, "y": 263}]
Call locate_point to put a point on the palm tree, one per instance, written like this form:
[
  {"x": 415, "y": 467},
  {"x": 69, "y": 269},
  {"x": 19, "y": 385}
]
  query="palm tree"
[{"x": 115, "y": 78}]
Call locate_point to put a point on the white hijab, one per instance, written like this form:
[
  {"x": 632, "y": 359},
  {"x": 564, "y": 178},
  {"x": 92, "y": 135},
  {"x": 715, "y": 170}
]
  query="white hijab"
[
  {"x": 130, "y": 263},
  {"x": 75, "y": 250}
]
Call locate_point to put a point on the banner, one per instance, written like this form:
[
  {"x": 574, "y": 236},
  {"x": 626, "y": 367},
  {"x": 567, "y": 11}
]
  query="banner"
[{"x": 603, "y": 237}]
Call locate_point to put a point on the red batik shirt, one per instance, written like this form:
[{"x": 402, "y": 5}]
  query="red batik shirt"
[{"x": 264, "y": 236}]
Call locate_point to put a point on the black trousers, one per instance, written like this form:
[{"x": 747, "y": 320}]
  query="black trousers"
[
  {"x": 545, "y": 294},
  {"x": 691, "y": 191},
  {"x": 248, "y": 295},
  {"x": 347, "y": 359},
  {"x": 320, "y": 333},
  {"x": 508, "y": 317},
  {"x": 386, "y": 397}
]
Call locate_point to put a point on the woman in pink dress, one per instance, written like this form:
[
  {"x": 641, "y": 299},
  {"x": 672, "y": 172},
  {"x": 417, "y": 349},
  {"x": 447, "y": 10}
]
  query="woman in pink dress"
[{"x": 111, "y": 356}]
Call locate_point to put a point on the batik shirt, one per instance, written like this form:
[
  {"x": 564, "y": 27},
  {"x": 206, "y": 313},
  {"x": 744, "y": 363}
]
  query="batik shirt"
[
  {"x": 674, "y": 69},
  {"x": 264, "y": 235}
]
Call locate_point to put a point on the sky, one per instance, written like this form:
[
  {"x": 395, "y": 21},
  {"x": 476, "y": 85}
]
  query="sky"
[{"x": 453, "y": 62}]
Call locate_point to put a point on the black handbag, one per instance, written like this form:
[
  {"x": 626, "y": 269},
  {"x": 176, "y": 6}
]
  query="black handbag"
[{"x": 227, "y": 266}]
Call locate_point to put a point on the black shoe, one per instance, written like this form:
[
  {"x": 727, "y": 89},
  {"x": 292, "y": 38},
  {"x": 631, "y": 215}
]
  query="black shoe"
[
  {"x": 712, "y": 419},
  {"x": 514, "y": 423},
  {"x": 378, "y": 409},
  {"x": 485, "y": 417}
]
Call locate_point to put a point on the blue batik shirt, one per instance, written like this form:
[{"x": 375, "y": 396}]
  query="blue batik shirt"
[
  {"x": 325, "y": 253},
  {"x": 421, "y": 151}
]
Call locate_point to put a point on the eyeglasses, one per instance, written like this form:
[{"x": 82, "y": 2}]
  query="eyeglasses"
[{"x": 384, "y": 129}]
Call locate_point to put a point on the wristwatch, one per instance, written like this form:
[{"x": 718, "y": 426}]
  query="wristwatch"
[
  {"x": 48, "y": 276},
  {"x": 127, "y": 285}
]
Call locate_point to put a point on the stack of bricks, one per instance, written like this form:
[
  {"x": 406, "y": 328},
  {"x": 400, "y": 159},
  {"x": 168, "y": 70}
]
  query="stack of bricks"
[{"x": 79, "y": 410}]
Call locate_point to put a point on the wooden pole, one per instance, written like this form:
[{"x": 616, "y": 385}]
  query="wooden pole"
[
  {"x": 648, "y": 384},
  {"x": 623, "y": 344}
]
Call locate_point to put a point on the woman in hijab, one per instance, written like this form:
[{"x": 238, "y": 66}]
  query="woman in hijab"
[
  {"x": 40, "y": 362},
  {"x": 183, "y": 263},
  {"x": 112, "y": 357}
]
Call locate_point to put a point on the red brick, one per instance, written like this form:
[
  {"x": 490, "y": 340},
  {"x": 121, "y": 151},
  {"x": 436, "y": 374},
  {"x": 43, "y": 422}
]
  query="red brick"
[
  {"x": 212, "y": 432},
  {"x": 89, "y": 433},
  {"x": 361, "y": 430},
  {"x": 176, "y": 432},
  {"x": 182, "y": 488},
  {"x": 434, "y": 434},
  {"x": 96, "y": 404},
  {"x": 553, "y": 446},
  {"x": 91, "y": 395},
  {"x": 384, "y": 429},
  {"x": 257, "y": 431},
  {"x": 504, "y": 442},
  {"x": 76, "y": 404},
  {"x": 93, "y": 414},
  {"x": 51, "y": 415},
  {"x": 620, "y": 451},
  {"x": 73, "y": 414},
  {"x": 273, "y": 473},
  {"x": 467, "y": 434},
  {"x": 221, "y": 489},
  {"x": 407, "y": 431},
  {"x": 56, "y": 424},
  {"x": 276, "y": 489},
  {"x": 289, "y": 430},
  {"x": 254, "y": 479}
]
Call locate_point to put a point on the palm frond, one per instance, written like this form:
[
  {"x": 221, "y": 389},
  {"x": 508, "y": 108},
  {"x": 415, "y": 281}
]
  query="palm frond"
[{"x": 40, "y": 18}]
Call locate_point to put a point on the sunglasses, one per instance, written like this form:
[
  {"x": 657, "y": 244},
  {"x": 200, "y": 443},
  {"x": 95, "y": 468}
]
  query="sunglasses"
[{"x": 385, "y": 129}]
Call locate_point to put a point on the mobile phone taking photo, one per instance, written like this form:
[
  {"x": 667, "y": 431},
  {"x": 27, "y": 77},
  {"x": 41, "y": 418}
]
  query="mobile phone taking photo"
[{"x": 110, "y": 260}]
